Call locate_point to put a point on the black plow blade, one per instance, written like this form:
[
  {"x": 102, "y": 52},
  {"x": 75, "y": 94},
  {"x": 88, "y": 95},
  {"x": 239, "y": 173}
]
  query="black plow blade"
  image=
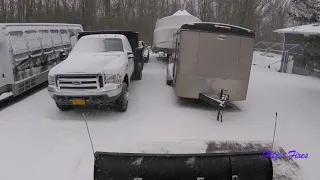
[{"x": 208, "y": 166}]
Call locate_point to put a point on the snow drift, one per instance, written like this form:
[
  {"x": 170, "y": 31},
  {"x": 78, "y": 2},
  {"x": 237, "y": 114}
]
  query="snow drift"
[{"x": 167, "y": 26}]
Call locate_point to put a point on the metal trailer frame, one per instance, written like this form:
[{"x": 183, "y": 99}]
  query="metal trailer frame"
[{"x": 284, "y": 53}]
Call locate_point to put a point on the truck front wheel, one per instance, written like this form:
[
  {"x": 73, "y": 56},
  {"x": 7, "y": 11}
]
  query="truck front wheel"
[
  {"x": 122, "y": 101},
  {"x": 64, "y": 107}
]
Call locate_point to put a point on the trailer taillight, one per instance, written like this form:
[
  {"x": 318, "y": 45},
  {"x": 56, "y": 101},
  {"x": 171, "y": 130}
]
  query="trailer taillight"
[{"x": 224, "y": 27}]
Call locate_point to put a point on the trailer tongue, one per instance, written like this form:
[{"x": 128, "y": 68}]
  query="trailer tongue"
[{"x": 217, "y": 166}]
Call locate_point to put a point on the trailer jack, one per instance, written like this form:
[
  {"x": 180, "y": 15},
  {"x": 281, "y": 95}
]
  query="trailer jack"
[
  {"x": 222, "y": 104},
  {"x": 214, "y": 100}
]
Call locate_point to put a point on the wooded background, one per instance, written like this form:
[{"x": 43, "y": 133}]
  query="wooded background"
[{"x": 262, "y": 16}]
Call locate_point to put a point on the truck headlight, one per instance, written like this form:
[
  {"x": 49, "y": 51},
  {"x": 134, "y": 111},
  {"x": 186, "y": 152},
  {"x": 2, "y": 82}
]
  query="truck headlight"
[
  {"x": 112, "y": 78},
  {"x": 52, "y": 80}
]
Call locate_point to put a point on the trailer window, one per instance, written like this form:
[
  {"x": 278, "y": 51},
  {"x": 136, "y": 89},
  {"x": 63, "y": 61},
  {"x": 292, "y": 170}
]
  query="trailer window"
[
  {"x": 71, "y": 32},
  {"x": 63, "y": 31},
  {"x": 31, "y": 31},
  {"x": 99, "y": 45},
  {"x": 44, "y": 34},
  {"x": 54, "y": 31},
  {"x": 31, "y": 35},
  {"x": 43, "y": 31},
  {"x": 16, "y": 34}
]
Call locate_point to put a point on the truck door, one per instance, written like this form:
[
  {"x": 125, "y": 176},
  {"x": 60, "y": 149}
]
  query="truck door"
[{"x": 131, "y": 60}]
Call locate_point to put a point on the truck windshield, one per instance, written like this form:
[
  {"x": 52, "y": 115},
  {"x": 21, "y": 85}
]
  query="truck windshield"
[{"x": 95, "y": 45}]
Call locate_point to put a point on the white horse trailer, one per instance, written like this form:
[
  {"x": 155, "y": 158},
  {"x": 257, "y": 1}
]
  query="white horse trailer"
[{"x": 29, "y": 50}]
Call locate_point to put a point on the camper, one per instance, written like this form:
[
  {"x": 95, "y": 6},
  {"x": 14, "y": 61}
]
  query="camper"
[
  {"x": 29, "y": 50},
  {"x": 211, "y": 62}
]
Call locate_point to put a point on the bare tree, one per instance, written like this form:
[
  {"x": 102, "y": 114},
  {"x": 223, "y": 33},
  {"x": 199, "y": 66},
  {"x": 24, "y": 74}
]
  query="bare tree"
[{"x": 262, "y": 16}]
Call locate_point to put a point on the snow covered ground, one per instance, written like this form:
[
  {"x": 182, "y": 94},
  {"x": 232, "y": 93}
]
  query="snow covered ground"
[
  {"x": 5, "y": 95},
  {"x": 40, "y": 142},
  {"x": 271, "y": 59}
]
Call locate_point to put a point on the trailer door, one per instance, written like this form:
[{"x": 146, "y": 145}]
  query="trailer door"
[
  {"x": 2, "y": 77},
  {"x": 218, "y": 56}
]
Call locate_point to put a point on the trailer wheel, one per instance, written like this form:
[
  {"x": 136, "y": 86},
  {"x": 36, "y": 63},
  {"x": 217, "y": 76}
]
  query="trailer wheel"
[
  {"x": 169, "y": 82},
  {"x": 122, "y": 101},
  {"x": 64, "y": 107}
]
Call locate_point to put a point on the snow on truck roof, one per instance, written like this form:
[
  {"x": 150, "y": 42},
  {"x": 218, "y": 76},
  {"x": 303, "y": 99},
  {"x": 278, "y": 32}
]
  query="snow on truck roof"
[{"x": 120, "y": 36}]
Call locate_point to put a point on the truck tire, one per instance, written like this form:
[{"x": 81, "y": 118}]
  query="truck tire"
[
  {"x": 64, "y": 107},
  {"x": 142, "y": 64},
  {"x": 146, "y": 59},
  {"x": 137, "y": 74},
  {"x": 122, "y": 101}
]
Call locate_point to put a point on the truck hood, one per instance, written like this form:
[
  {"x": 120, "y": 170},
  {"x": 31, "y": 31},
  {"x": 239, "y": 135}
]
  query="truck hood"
[{"x": 91, "y": 63}]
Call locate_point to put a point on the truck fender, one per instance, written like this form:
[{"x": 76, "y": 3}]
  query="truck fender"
[{"x": 126, "y": 79}]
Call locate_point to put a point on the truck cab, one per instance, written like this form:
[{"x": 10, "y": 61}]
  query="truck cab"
[{"x": 97, "y": 72}]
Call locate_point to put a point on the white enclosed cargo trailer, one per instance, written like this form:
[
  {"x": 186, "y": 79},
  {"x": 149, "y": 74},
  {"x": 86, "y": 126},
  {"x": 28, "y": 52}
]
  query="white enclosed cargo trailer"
[
  {"x": 29, "y": 50},
  {"x": 211, "y": 62}
]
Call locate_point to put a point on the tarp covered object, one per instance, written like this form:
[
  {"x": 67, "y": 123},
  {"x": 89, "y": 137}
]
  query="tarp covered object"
[{"x": 167, "y": 26}]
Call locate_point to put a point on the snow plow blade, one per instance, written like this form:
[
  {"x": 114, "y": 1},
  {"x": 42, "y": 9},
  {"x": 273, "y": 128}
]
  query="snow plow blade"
[{"x": 217, "y": 166}]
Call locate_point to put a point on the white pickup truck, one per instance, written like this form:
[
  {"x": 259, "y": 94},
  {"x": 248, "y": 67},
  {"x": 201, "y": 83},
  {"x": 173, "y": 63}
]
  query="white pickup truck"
[{"x": 97, "y": 72}]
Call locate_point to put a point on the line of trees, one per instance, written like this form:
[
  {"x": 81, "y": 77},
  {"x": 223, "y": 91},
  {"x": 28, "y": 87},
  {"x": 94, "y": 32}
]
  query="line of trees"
[{"x": 262, "y": 16}]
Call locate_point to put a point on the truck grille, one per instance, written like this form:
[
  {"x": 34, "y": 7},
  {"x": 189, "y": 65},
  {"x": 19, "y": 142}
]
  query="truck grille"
[{"x": 79, "y": 81}]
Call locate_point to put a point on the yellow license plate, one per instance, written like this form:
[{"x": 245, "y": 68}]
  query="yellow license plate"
[{"x": 78, "y": 102}]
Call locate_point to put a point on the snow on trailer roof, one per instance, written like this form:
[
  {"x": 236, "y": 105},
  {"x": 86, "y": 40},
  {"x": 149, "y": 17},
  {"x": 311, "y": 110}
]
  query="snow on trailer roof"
[
  {"x": 310, "y": 29},
  {"x": 222, "y": 24},
  {"x": 218, "y": 27},
  {"x": 38, "y": 24}
]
